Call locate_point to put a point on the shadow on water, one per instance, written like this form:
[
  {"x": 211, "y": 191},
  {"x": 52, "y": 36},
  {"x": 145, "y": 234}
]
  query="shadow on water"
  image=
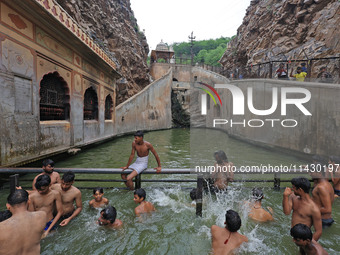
[{"x": 174, "y": 228}]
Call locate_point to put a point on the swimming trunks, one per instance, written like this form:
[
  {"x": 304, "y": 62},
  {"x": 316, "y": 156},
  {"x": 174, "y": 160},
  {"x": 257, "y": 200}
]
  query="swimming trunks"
[
  {"x": 327, "y": 222},
  {"x": 140, "y": 164},
  {"x": 48, "y": 225},
  {"x": 337, "y": 192}
]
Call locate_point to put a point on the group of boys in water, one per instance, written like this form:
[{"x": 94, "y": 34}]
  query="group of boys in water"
[{"x": 32, "y": 215}]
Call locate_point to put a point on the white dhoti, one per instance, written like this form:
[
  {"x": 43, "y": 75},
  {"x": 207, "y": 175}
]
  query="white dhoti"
[{"x": 140, "y": 164}]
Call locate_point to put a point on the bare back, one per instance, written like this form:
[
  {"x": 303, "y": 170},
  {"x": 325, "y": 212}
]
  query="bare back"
[
  {"x": 260, "y": 214},
  {"x": 144, "y": 207},
  {"x": 21, "y": 234},
  {"x": 323, "y": 196},
  {"x": 219, "y": 244}
]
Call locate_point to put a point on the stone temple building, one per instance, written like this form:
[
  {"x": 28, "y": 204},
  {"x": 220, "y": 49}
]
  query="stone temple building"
[{"x": 57, "y": 84}]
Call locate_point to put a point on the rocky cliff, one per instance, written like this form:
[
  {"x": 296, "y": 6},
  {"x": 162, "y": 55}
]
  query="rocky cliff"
[
  {"x": 113, "y": 26},
  {"x": 290, "y": 29}
]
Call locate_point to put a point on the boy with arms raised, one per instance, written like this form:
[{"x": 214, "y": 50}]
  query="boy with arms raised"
[
  {"x": 305, "y": 211},
  {"x": 226, "y": 240},
  {"x": 47, "y": 200},
  {"x": 144, "y": 206},
  {"x": 21, "y": 234},
  {"x": 142, "y": 147},
  {"x": 69, "y": 195}
]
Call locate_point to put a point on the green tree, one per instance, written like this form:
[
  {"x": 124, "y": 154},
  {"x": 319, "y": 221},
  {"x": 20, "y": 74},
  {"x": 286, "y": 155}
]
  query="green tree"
[{"x": 207, "y": 51}]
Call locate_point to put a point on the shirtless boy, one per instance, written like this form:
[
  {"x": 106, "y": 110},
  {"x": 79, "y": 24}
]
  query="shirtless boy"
[
  {"x": 223, "y": 171},
  {"x": 69, "y": 196},
  {"x": 98, "y": 200},
  {"x": 323, "y": 196},
  {"x": 226, "y": 240},
  {"x": 108, "y": 218},
  {"x": 257, "y": 213},
  {"x": 303, "y": 237},
  {"x": 21, "y": 234},
  {"x": 305, "y": 211},
  {"x": 334, "y": 163},
  {"x": 46, "y": 200},
  {"x": 144, "y": 206},
  {"x": 142, "y": 147},
  {"x": 48, "y": 167}
]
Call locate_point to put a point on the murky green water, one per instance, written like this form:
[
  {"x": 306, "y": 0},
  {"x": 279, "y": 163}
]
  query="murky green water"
[{"x": 174, "y": 228}]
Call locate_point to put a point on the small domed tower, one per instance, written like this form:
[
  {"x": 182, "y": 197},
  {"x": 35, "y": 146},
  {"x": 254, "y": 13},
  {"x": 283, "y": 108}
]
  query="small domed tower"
[{"x": 162, "y": 52}]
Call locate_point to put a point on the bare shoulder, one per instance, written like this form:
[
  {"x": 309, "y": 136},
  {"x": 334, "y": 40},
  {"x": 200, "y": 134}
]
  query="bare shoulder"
[
  {"x": 56, "y": 193},
  {"x": 244, "y": 238},
  {"x": 149, "y": 145},
  {"x": 56, "y": 186},
  {"x": 215, "y": 229}
]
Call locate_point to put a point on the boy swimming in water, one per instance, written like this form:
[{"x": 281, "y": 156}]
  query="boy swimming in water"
[
  {"x": 144, "y": 206},
  {"x": 98, "y": 200},
  {"x": 257, "y": 212},
  {"x": 108, "y": 218},
  {"x": 226, "y": 240},
  {"x": 303, "y": 237},
  {"x": 142, "y": 147}
]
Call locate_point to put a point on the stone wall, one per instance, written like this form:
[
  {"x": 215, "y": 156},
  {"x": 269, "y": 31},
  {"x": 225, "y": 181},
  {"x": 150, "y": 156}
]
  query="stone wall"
[
  {"x": 36, "y": 40},
  {"x": 150, "y": 109},
  {"x": 316, "y": 134}
]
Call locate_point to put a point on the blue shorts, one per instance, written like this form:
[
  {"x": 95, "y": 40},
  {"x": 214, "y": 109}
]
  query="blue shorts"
[
  {"x": 327, "y": 222},
  {"x": 337, "y": 192},
  {"x": 48, "y": 225}
]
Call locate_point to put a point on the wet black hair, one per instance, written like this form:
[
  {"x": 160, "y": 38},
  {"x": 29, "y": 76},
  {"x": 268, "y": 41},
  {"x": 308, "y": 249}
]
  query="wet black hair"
[
  {"x": 139, "y": 133},
  {"x": 47, "y": 162},
  {"x": 68, "y": 176},
  {"x": 301, "y": 231},
  {"x": 109, "y": 213},
  {"x": 101, "y": 190},
  {"x": 4, "y": 215},
  {"x": 299, "y": 68},
  {"x": 193, "y": 194},
  {"x": 257, "y": 194},
  {"x": 334, "y": 159},
  {"x": 42, "y": 181},
  {"x": 233, "y": 221},
  {"x": 17, "y": 197},
  {"x": 301, "y": 182},
  {"x": 140, "y": 192},
  {"x": 221, "y": 156}
]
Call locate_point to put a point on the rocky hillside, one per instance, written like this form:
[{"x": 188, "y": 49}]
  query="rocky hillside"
[
  {"x": 292, "y": 29},
  {"x": 113, "y": 25}
]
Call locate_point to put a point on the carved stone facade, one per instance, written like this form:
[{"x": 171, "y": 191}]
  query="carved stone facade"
[{"x": 48, "y": 63}]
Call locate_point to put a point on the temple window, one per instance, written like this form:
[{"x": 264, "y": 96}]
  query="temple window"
[
  {"x": 90, "y": 105},
  {"x": 108, "y": 108},
  {"x": 54, "y": 98}
]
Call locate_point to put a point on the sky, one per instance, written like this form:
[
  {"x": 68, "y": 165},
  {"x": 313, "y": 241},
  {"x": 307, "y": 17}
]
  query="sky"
[{"x": 174, "y": 20}]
